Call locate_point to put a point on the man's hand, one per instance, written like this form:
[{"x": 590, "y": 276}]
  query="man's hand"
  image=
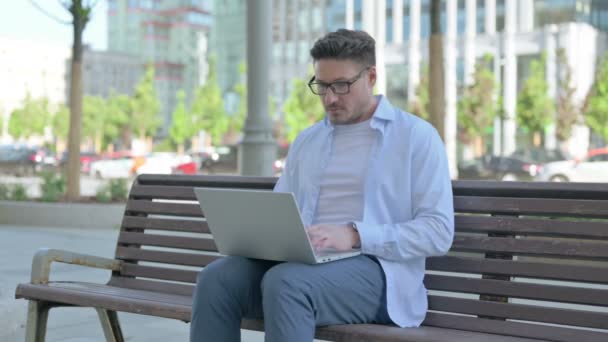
[{"x": 331, "y": 236}]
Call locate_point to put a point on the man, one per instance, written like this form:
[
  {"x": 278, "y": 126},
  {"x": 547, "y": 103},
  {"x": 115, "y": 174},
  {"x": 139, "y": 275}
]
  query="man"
[{"x": 368, "y": 176}]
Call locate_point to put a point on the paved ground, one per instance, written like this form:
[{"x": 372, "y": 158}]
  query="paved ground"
[{"x": 17, "y": 246}]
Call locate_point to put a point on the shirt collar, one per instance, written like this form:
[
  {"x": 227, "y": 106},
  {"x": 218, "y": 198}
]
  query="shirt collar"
[{"x": 384, "y": 112}]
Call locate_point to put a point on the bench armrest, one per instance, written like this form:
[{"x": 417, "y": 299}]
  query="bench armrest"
[{"x": 41, "y": 264}]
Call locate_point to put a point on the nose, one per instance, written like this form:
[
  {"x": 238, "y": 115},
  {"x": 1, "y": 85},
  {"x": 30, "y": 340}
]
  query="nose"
[{"x": 329, "y": 96}]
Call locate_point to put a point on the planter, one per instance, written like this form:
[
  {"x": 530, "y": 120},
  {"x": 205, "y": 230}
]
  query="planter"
[{"x": 62, "y": 214}]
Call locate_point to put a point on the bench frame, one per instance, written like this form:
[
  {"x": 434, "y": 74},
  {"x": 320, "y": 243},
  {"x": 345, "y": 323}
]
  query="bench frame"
[{"x": 492, "y": 317}]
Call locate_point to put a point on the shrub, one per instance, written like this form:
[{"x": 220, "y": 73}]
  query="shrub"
[
  {"x": 5, "y": 192},
  {"x": 52, "y": 187},
  {"x": 19, "y": 193}
]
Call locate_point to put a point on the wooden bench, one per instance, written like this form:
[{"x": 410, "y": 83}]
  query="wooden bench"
[{"x": 529, "y": 262}]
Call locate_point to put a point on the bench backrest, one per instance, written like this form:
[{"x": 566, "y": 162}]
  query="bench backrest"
[{"x": 523, "y": 253}]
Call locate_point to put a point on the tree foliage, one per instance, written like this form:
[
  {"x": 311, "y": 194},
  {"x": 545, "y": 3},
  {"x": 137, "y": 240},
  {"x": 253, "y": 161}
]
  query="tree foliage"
[
  {"x": 302, "y": 109},
  {"x": 181, "y": 126},
  {"x": 30, "y": 119},
  {"x": 567, "y": 111},
  {"x": 420, "y": 105},
  {"x": 477, "y": 108},
  {"x": 145, "y": 106},
  {"x": 535, "y": 107},
  {"x": 208, "y": 107},
  {"x": 596, "y": 107}
]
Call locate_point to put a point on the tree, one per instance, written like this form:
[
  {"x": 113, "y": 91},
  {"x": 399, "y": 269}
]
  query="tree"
[
  {"x": 208, "y": 107},
  {"x": 60, "y": 125},
  {"x": 81, "y": 14},
  {"x": 145, "y": 106},
  {"x": 302, "y": 109},
  {"x": 477, "y": 108},
  {"x": 436, "y": 71},
  {"x": 567, "y": 111},
  {"x": 237, "y": 120},
  {"x": 534, "y": 106},
  {"x": 420, "y": 105},
  {"x": 30, "y": 119},
  {"x": 596, "y": 107},
  {"x": 181, "y": 126},
  {"x": 118, "y": 108}
]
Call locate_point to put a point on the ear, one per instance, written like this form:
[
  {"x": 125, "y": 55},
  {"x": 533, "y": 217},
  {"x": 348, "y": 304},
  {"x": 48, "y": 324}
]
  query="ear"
[{"x": 372, "y": 76}]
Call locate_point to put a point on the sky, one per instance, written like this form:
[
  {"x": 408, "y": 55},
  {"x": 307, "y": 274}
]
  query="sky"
[{"x": 20, "y": 19}]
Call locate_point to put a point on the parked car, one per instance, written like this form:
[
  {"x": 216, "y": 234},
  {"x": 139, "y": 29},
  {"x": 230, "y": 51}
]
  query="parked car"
[
  {"x": 592, "y": 168},
  {"x": 522, "y": 165},
  {"x": 161, "y": 163},
  {"x": 24, "y": 161},
  {"x": 119, "y": 167},
  {"x": 86, "y": 158}
]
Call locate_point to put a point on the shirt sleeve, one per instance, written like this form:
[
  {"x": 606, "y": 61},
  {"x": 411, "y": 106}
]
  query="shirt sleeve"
[{"x": 431, "y": 231}]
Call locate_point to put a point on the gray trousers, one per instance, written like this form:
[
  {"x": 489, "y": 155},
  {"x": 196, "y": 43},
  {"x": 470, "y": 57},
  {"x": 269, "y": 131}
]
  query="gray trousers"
[{"x": 292, "y": 298}]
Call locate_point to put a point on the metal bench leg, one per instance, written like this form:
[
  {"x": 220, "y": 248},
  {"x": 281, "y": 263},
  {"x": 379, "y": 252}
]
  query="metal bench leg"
[
  {"x": 110, "y": 325},
  {"x": 37, "y": 316}
]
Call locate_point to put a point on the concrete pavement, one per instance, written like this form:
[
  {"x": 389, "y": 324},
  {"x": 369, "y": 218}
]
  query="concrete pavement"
[{"x": 17, "y": 246}]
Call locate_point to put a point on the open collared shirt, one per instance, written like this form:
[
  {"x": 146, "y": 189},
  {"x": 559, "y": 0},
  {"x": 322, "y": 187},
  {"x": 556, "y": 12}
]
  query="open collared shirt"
[{"x": 408, "y": 212}]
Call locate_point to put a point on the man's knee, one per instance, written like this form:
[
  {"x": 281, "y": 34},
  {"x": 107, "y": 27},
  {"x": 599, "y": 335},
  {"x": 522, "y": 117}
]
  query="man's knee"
[
  {"x": 224, "y": 274},
  {"x": 284, "y": 279}
]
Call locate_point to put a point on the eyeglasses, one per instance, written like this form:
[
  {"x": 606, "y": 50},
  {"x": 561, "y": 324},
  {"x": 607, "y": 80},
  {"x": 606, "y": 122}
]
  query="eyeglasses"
[{"x": 338, "y": 88}]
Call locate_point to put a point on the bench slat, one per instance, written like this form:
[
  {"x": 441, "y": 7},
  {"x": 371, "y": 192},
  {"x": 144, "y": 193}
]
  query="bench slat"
[
  {"x": 140, "y": 222},
  {"x": 580, "y": 318},
  {"x": 151, "y": 285},
  {"x": 184, "y": 259},
  {"x": 531, "y": 206},
  {"x": 511, "y": 328},
  {"x": 215, "y": 181},
  {"x": 563, "y": 294},
  {"x": 178, "y": 242},
  {"x": 163, "y": 208},
  {"x": 596, "y": 191},
  {"x": 531, "y": 226},
  {"x": 160, "y": 273},
  {"x": 523, "y": 246},
  {"x": 592, "y": 274},
  {"x": 162, "y": 192}
]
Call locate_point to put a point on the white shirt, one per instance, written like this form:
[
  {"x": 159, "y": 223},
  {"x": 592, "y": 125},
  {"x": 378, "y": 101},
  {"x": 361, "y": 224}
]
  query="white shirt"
[{"x": 408, "y": 212}]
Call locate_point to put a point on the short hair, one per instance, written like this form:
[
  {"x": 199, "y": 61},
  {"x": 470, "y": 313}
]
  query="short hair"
[{"x": 344, "y": 44}]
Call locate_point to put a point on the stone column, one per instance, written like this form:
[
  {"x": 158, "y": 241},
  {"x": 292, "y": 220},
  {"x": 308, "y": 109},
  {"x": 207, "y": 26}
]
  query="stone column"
[
  {"x": 350, "y": 14},
  {"x": 551, "y": 77},
  {"x": 380, "y": 36},
  {"x": 398, "y": 20},
  {"x": 258, "y": 149},
  {"x": 469, "y": 44},
  {"x": 413, "y": 64},
  {"x": 450, "y": 86},
  {"x": 510, "y": 79}
]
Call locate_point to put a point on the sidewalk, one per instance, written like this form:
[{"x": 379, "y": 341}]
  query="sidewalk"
[{"x": 17, "y": 246}]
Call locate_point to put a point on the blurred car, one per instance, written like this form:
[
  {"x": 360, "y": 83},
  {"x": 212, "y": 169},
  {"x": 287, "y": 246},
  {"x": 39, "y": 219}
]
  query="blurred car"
[
  {"x": 188, "y": 168},
  {"x": 24, "y": 161},
  {"x": 592, "y": 168},
  {"x": 161, "y": 163},
  {"x": 118, "y": 167},
  {"x": 223, "y": 159},
  {"x": 86, "y": 158},
  {"x": 522, "y": 165},
  {"x": 278, "y": 166}
]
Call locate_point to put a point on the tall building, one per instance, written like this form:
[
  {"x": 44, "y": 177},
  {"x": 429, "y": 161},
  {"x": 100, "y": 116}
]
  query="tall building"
[
  {"x": 104, "y": 72},
  {"x": 172, "y": 35}
]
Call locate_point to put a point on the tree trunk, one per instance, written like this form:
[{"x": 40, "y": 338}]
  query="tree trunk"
[
  {"x": 436, "y": 71},
  {"x": 73, "y": 169}
]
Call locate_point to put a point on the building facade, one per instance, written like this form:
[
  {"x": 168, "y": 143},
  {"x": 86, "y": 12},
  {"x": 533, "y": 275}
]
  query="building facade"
[{"x": 171, "y": 35}]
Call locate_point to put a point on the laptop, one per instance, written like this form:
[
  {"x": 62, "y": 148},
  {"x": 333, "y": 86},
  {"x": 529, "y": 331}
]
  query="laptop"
[{"x": 261, "y": 225}]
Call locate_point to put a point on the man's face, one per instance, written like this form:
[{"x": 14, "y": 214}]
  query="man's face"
[{"x": 356, "y": 105}]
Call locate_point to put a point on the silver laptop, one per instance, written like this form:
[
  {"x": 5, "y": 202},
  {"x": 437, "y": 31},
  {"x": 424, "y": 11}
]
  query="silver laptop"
[{"x": 261, "y": 225}]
